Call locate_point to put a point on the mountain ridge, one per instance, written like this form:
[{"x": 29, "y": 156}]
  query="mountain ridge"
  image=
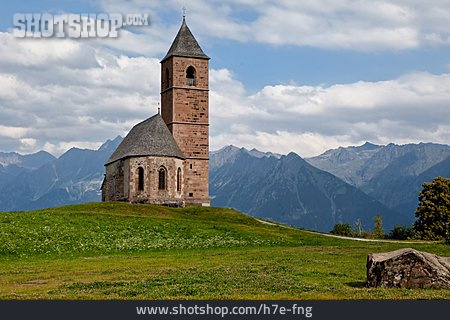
[
  {"x": 285, "y": 188},
  {"x": 390, "y": 173},
  {"x": 290, "y": 190},
  {"x": 74, "y": 177}
]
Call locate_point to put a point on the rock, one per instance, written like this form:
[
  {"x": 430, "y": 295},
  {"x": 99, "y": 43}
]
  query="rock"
[{"x": 408, "y": 268}]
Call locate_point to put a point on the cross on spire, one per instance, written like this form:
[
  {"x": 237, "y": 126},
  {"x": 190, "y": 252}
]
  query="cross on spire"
[{"x": 184, "y": 12}]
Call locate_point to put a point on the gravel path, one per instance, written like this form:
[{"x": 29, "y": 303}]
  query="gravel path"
[{"x": 350, "y": 238}]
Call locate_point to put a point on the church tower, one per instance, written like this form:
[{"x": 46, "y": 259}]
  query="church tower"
[{"x": 185, "y": 108}]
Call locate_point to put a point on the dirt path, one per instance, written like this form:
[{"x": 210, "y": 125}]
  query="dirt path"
[
  {"x": 350, "y": 238},
  {"x": 370, "y": 240}
]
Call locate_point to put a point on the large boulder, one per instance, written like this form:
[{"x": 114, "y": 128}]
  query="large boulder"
[{"x": 408, "y": 268}]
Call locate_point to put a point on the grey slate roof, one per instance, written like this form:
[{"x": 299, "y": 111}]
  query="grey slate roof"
[
  {"x": 185, "y": 45},
  {"x": 148, "y": 138}
]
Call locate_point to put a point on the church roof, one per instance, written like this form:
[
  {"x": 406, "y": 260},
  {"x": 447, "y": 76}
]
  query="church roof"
[
  {"x": 185, "y": 45},
  {"x": 148, "y": 138}
]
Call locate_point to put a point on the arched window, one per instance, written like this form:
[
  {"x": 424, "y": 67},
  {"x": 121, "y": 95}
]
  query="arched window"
[
  {"x": 162, "y": 179},
  {"x": 166, "y": 78},
  {"x": 179, "y": 179},
  {"x": 190, "y": 76},
  {"x": 140, "y": 179}
]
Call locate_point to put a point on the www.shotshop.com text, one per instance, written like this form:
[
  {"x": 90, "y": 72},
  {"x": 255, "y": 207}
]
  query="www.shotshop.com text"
[{"x": 263, "y": 309}]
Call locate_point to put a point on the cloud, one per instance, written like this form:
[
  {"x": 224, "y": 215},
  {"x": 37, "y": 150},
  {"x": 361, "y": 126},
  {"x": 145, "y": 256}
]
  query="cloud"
[
  {"x": 360, "y": 26},
  {"x": 365, "y": 25},
  {"x": 48, "y": 102},
  {"x": 307, "y": 143},
  {"x": 309, "y": 120},
  {"x": 59, "y": 93},
  {"x": 62, "y": 147},
  {"x": 12, "y": 132}
]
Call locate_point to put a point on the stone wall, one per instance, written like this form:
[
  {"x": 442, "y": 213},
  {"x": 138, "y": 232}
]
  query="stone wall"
[
  {"x": 151, "y": 192},
  {"x": 196, "y": 182},
  {"x": 193, "y": 140},
  {"x": 127, "y": 185},
  {"x": 114, "y": 184}
]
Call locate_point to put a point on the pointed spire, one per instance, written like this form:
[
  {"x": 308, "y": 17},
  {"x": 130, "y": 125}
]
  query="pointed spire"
[{"x": 185, "y": 45}]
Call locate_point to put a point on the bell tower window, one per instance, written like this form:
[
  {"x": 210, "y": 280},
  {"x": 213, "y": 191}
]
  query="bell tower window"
[{"x": 190, "y": 76}]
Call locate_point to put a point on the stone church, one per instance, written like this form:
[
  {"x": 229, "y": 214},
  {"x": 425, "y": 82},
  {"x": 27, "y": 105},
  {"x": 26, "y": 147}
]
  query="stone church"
[{"x": 164, "y": 159}]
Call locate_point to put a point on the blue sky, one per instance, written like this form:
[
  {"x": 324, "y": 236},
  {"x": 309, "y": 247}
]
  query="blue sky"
[
  {"x": 285, "y": 75},
  {"x": 258, "y": 65}
]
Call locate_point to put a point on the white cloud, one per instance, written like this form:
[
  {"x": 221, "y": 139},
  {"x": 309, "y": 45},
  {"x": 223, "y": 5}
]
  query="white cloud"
[
  {"x": 55, "y": 106},
  {"x": 12, "y": 132},
  {"x": 27, "y": 145},
  {"x": 283, "y": 142},
  {"x": 48, "y": 102},
  {"x": 309, "y": 120},
  {"x": 365, "y": 25},
  {"x": 353, "y": 25},
  {"x": 62, "y": 147},
  {"x": 62, "y": 93}
]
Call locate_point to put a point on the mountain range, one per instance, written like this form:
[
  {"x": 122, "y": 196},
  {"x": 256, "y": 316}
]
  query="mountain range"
[
  {"x": 290, "y": 190},
  {"x": 392, "y": 174},
  {"x": 74, "y": 177},
  {"x": 338, "y": 186},
  {"x": 362, "y": 181}
]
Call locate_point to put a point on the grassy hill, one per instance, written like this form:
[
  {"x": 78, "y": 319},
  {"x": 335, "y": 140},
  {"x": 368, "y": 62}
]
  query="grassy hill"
[{"x": 122, "y": 251}]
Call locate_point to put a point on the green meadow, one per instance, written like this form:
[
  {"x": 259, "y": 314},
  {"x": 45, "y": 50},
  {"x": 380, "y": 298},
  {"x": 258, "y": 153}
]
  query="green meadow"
[{"x": 123, "y": 251}]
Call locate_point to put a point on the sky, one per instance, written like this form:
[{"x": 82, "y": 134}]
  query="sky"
[{"x": 302, "y": 76}]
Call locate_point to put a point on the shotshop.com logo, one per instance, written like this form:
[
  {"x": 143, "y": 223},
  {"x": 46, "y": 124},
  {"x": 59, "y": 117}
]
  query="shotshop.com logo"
[{"x": 89, "y": 25}]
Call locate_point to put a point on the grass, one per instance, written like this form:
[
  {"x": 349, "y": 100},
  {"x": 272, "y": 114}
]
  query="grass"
[{"x": 122, "y": 251}]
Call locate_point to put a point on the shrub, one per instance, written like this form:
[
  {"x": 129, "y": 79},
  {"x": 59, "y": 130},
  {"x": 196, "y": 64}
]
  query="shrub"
[
  {"x": 342, "y": 229},
  {"x": 401, "y": 232},
  {"x": 366, "y": 234}
]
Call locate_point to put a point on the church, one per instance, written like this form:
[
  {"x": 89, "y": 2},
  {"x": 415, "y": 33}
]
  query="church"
[{"x": 164, "y": 159}]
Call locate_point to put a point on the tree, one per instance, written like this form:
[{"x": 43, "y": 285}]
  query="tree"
[
  {"x": 342, "y": 229},
  {"x": 378, "y": 231},
  {"x": 433, "y": 212},
  {"x": 401, "y": 232}
]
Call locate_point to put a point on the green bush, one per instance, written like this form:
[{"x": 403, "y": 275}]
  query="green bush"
[
  {"x": 366, "y": 235},
  {"x": 342, "y": 229},
  {"x": 401, "y": 232}
]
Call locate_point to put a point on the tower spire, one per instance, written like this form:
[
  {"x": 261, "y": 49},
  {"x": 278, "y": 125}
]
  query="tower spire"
[
  {"x": 185, "y": 45},
  {"x": 184, "y": 13}
]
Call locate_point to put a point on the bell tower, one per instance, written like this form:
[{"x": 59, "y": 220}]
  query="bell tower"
[{"x": 185, "y": 108}]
